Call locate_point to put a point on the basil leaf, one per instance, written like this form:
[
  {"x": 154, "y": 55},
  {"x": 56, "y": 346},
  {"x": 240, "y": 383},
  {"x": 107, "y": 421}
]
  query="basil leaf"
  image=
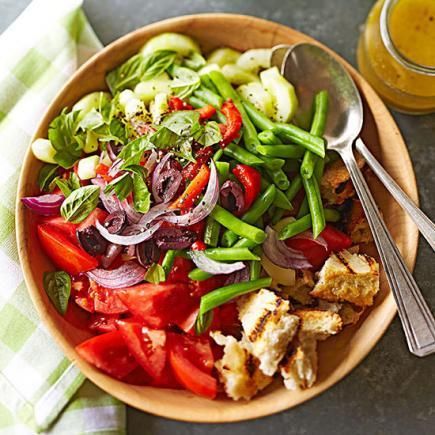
[
  {"x": 80, "y": 203},
  {"x": 115, "y": 131},
  {"x": 67, "y": 186},
  {"x": 91, "y": 120},
  {"x": 132, "y": 152},
  {"x": 185, "y": 81},
  {"x": 46, "y": 175},
  {"x": 139, "y": 68},
  {"x": 195, "y": 61},
  {"x": 210, "y": 134},
  {"x": 184, "y": 150},
  {"x": 57, "y": 285},
  {"x": 164, "y": 138},
  {"x": 155, "y": 274},
  {"x": 183, "y": 122},
  {"x": 120, "y": 186},
  {"x": 141, "y": 194},
  {"x": 62, "y": 134}
]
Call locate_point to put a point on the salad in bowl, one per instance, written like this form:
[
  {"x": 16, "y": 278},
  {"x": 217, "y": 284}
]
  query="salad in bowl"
[{"x": 200, "y": 230}]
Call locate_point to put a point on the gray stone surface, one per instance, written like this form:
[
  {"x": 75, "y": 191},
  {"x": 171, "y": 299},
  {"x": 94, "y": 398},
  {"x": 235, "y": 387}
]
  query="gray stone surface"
[{"x": 391, "y": 392}]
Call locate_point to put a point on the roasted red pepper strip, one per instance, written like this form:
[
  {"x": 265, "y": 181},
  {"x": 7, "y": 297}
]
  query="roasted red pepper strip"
[
  {"x": 250, "y": 179},
  {"x": 206, "y": 112},
  {"x": 193, "y": 190},
  {"x": 103, "y": 171},
  {"x": 335, "y": 239},
  {"x": 176, "y": 103},
  {"x": 202, "y": 156},
  {"x": 231, "y": 129},
  {"x": 199, "y": 245}
]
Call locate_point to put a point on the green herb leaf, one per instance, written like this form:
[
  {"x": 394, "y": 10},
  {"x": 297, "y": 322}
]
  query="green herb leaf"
[
  {"x": 210, "y": 134},
  {"x": 46, "y": 175},
  {"x": 183, "y": 122},
  {"x": 120, "y": 186},
  {"x": 155, "y": 274},
  {"x": 67, "y": 186},
  {"x": 141, "y": 194},
  {"x": 58, "y": 288},
  {"x": 185, "y": 81},
  {"x": 132, "y": 152},
  {"x": 195, "y": 61},
  {"x": 184, "y": 150},
  {"x": 139, "y": 68},
  {"x": 80, "y": 203},
  {"x": 164, "y": 138}
]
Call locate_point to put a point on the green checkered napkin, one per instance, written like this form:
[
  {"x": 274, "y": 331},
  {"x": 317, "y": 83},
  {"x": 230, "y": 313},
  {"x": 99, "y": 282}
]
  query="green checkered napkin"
[{"x": 40, "y": 390}]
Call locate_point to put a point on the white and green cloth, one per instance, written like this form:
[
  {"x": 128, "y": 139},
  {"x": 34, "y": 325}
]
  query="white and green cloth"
[{"x": 40, "y": 390}]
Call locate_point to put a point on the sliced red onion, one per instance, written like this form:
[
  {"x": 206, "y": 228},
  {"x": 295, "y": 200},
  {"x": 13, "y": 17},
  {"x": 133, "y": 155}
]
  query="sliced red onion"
[
  {"x": 205, "y": 206},
  {"x": 132, "y": 215},
  {"x": 232, "y": 197},
  {"x": 45, "y": 205},
  {"x": 112, "y": 252},
  {"x": 128, "y": 274},
  {"x": 151, "y": 162},
  {"x": 145, "y": 233},
  {"x": 111, "y": 203},
  {"x": 212, "y": 266},
  {"x": 115, "y": 168},
  {"x": 167, "y": 184},
  {"x": 154, "y": 213},
  {"x": 111, "y": 152},
  {"x": 308, "y": 235},
  {"x": 156, "y": 176},
  {"x": 130, "y": 250},
  {"x": 241, "y": 275},
  {"x": 281, "y": 254}
]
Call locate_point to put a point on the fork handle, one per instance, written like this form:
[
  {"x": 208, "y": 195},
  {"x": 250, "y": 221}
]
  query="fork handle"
[
  {"x": 424, "y": 224},
  {"x": 417, "y": 319}
]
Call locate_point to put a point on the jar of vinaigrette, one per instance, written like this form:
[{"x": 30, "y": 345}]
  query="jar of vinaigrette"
[{"x": 396, "y": 53}]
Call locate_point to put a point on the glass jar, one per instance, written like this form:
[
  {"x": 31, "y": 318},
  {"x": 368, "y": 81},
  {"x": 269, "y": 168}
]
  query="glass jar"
[{"x": 396, "y": 53}]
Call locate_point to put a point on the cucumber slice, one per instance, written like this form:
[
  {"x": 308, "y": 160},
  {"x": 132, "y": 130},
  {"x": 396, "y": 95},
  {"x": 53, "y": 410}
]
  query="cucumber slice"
[
  {"x": 91, "y": 143},
  {"x": 158, "y": 107},
  {"x": 146, "y": 91},
  {"x": 255, "y": 59},
  {"x": 283, "y": 94},
  {"x": 238, "y": 76},
  {"x": 43, "y": 150},
  {"x": 182, "y": 44},
  {"x": 222, "y": 56},
  {"x": 87, "y": 167},
  {"x": 94, "y": 100},
  {"x": 258, "y": 96}
]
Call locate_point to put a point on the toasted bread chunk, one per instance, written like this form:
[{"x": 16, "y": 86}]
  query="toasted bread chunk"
[
  {"x": 356, "y": 224},
  {"x": 299, "y": 368},
  {"x": 267, "y": 326},
  {"x": 300, "y": 291},
  {"x": 318, "y": 324},
  {"x": 350, "y": 314},
  {"x": 239, "y": 370},
  {"x": 348, "y": 277}
]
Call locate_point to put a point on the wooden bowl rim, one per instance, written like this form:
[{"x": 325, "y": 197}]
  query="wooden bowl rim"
[{"x": 122, "y": 390}]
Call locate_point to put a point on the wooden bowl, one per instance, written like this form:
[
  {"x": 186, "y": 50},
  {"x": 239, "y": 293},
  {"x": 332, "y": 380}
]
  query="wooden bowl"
[{"x": 338, "y": 355}]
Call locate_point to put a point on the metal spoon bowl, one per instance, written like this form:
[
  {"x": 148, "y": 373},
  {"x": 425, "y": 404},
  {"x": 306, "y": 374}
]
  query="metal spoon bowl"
[{"x": 310, "y": 69}]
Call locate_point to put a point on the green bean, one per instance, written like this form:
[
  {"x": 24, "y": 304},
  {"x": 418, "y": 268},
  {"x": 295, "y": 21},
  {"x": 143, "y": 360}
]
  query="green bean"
[
  {"x": 255, "y": 266},
  {"x": 230, "y": 254},
  {"x": 168, "y": 260},
  {"x": 223, "y": 170},
  {"x": 258, "y": 208},
  {"x": 196, "y": 102},
  {"x": 211, "y": 232},
  {"x": 218, "y": 154},
  {"x": 209, "y": 97},
  {"x": 267, "y": 137},
  {"x": 317, "y": 129},
  {"x": 224, "y": 294},
  {"x": 260, "y": 120},
  {"x": 207, "y": 83},
  {"x": 279, "y": 177},
  {"x": 304, "y": 223},
  {"x": 199, "y": 275},
  {"x": 281, "y": 200},
  {"x": 303, "y": 208},
  {"x": 319, "y": 169},
  {"x": 294, "y": 188},
  {"x": 242, "y": 229},
  {"x": 227, "y": 91},
  {"x": 245, "y": 243},
  {"x": 283, "y": 151},
  {"x": 301, "y": 137},
  {"x": 243, "y": 156},
  {"x": 271, "y": 162},
  {"x": 312, "y": 191}
]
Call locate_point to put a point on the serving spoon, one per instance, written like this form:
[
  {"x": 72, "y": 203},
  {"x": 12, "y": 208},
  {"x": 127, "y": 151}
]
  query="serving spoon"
[{"x": 310, "y": 68}]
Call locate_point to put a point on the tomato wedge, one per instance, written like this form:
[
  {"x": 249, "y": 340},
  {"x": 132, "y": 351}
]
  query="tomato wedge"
[
  {"x": 316, "y": 254},
  {"x": 192, "y": 376},
  {"x": 148, "y": 346},
  {"x": 97, "y": 215},
  {"x": 64, "y": 254},
  {"x": 103, "y": 322},
  {"x": 65, "y": 227},
  {"x": 336, "y": 239},
  {"x": 109, "y": 353},
  {"x": 106, "y": 300},
  {"x": 179, "y": 271}
]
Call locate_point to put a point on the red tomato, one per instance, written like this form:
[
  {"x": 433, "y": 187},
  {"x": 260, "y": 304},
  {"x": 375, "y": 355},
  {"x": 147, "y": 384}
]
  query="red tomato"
[
  {"x": 203, "y": 155},
  {"x": 226, "y": 319},
  {"x": 199, "y": 245},
  {"x": 336, "y": 239},
  {"x": 103, "y": 322},
  {"x": 315, "y": 253},
  {"x": 97, "y": 215},
  {"x": 200, "y": 288},
  {"x": 176, "y": 103},
  {"x": 193, "y": 376},
  {"x": 109, "y": 353},
  {"x": 158, "y": 305},
  {"x": 148, "y": 346},
  {"x": 65, "y": 227},
  {"x": 180, "y": 270},
  {"x": 137, "y": 377},
  {"x": 106, "y": 300},
  {"x": 77, "y": 317},
  {"x": 198, "y": 228},
  {"x": 64, "y": 254}
]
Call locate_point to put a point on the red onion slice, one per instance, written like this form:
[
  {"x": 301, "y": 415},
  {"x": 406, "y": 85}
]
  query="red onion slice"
[
  {"x": 126, "y": 275},
  {"x": 154, "y": 213},
  {"x": 241, "y": 275},
  {"x": 308, "y": 235},
  {"x": 111, "y": 203},
  {"x": 132, "y": 215},
  {"x": 115, "y": 168},
  {"x": 45, "y": 205},
  {"x": 111, "y": 152},
  {"x": 212, "y": 266},
  {"x": 112, "y": 252},
  {"x": 151, "y": 162},
  {"x": 156, "y": 176},
  {"x": 205, "y": 206},
  {"x": 145, "y": 233},
  {"x": 281, "y": 254}
]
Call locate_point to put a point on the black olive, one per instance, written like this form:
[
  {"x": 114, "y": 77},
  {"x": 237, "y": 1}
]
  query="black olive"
[
  {"x": 174, "y": 238},
  {"x": 92, "y": 241},
  {"x": 116, "y": 222},
  {"x": 147, "y": 253}
]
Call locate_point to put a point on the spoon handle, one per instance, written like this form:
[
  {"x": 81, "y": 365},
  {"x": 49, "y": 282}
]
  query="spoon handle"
[
  {"x": 417, "y": 319},
  {"x": 424, "y": 224}
]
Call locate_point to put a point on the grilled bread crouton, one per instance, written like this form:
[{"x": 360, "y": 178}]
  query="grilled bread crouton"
[
  {"x": 348, "y": 277},
  {"x": 300, "y": 291},
  {"x": 318, "y": 324},
  {"x": 239, "y": 370},
  {"x": 350, "y": 314},
  {"x": 267, "y": 327},
  {"x": 356, "y": 224}
]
